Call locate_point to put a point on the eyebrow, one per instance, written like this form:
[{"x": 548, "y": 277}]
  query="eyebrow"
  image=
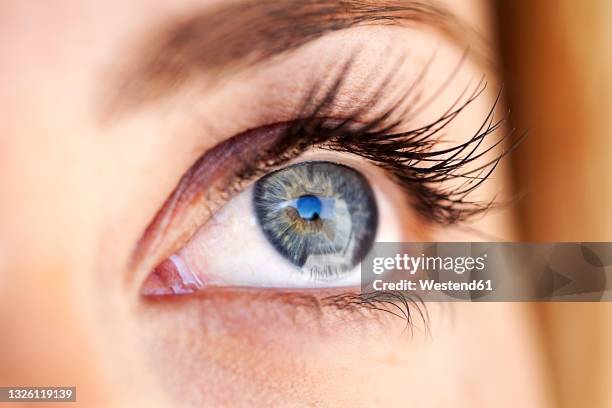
[{"x": 247, "y": 33}]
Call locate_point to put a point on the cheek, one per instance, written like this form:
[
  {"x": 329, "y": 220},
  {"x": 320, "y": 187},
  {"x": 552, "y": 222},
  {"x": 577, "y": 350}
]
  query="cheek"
[
  {"x": 207, "y": 351},
  {"x": 260, "y": 348}
]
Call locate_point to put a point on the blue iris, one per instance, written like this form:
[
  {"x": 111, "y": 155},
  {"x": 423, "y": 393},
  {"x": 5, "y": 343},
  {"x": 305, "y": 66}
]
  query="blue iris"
[{"x": 321, "y": 216}]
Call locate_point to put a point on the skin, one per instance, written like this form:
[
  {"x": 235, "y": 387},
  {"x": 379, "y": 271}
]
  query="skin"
[{"x": 78, "y": 191}]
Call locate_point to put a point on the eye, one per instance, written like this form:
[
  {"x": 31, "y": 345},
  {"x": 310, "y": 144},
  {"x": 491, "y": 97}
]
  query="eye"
[
  {"x": 236, "y": 220},
  {"x": 307, "y": 225}
]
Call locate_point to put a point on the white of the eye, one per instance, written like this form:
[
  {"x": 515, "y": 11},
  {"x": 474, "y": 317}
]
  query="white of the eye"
[{"x": 231, "y": 250}]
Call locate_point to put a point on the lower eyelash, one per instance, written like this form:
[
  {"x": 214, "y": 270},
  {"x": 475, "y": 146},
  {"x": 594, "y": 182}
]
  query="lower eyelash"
[{"x": 411, "y": 309}]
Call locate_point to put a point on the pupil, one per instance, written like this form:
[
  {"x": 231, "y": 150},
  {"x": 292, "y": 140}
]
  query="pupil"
[{"x": 309, "y": 207}]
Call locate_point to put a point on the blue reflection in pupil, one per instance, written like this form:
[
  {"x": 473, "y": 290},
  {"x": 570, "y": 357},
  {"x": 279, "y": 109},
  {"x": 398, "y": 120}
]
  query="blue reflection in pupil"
[{"x": 309, "y": 207}]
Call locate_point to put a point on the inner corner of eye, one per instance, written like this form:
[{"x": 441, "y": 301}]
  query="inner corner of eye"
[
  {"x": 172, "y": 277},
  {"x": 314, "y": 223}
]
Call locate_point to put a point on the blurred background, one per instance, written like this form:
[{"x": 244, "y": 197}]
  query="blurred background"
[{"x": 557, "y": 67}]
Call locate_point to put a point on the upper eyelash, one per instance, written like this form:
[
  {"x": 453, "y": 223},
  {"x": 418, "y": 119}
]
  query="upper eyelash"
[{"x": 402, "y": 154}]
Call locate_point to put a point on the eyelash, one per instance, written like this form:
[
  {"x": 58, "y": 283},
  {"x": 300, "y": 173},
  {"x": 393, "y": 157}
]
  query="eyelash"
[
  {"x": 398, "y": 153},
  {"x": 409, "y": 308}
]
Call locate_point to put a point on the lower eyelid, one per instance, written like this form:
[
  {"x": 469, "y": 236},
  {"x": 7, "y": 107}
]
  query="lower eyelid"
[{"x": 259, "y": 308}]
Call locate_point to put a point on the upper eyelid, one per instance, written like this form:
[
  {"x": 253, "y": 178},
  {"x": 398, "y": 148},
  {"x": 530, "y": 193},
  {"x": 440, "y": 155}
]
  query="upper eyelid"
[{"x": 216, "y": 39}]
